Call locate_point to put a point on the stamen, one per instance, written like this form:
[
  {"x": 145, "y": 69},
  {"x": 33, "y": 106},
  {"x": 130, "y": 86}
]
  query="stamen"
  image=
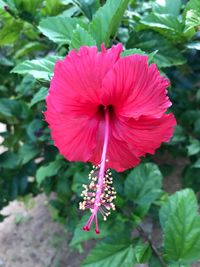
[{"x": 99, "y": 194}]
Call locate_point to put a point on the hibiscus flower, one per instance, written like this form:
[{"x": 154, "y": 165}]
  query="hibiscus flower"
[{"x": 110, "y": 111}]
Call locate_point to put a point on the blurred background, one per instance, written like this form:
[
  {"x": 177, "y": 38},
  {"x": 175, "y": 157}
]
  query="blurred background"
[{"x": 156, "y": 222}]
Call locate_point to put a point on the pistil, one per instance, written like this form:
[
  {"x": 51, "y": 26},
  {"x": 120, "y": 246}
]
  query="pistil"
[{"x": 99, "y": 194}]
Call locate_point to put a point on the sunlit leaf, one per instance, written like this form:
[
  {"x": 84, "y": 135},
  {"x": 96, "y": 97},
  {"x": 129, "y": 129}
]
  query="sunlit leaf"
[
  {"x": 106, "y": 19},
  {"x": 39, "y": 68},
  {"x": 81, "y": 37},
  {"x": 58, "y": 29}
]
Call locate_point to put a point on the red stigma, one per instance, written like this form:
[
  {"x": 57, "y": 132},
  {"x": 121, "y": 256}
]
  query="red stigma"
[
  {"x": 97, "y": 231},
  {"x": 86, "y": 228}
]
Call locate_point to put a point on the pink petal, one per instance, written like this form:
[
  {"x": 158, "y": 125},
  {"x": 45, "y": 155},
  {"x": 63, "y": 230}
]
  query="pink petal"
[
  {"x": 130, "y": 139},
  {"x": 74, "y": 98},
  {"x": 74, "y": 137},
  {"x": 78, "y": 79},
  {"x": 146, "y": 134},
  {"x": 136, "y": 89}
]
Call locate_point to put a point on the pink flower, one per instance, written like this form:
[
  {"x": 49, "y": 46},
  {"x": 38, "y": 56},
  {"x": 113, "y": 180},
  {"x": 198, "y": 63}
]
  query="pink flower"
[{"x": 108, "y": 110}]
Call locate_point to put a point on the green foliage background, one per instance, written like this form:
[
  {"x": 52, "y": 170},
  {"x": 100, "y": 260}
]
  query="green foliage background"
[{"x": 33, "y": 35}]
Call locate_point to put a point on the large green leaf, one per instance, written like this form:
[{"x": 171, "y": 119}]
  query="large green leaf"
[
  {"x": 58, "y": 29},
  {"x": 88, "y": 7},
  {"x": 106, "y": 20},
  {"x": 39, "y": 68},
  {"x": 143, "y": 184},
  {"x": 81, "y": 37},
  {"x": 116, "y": 254},
  {"x": 181, "y": 225}
]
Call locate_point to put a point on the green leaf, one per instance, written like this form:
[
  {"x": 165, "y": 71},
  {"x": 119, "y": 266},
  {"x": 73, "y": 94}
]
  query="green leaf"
[
  {"x": 11, "y": 108},
  {"x": 116, "y": 254},
  {"x": 35, "y": 129},
  {"x": 154, "y": 262},
  {"x": 5, "y": 61},
  {"x": 142, "y": 253},
  {"x": 78, "y": 180},
  {"x": 81, "y": 37},
  {"x": 26, "y": 86},
  {"x": 196, "y": 164},
  {"x": 118, "y": 251},
  {"x": 30, "y": 47},
  {"x": 27, "y": 6},
  {"x": 192, "y": 19},
  {"x": 9, "y": 160},
  {"x": 39, "y": 96},
  {"x": 179, "y": 135},
  {"x": 52, "y": 7},
  {"x": 106, "y": 20},
  {"x": 28, "y": 152},
  {"x": 8, "y": 36},
  {"x": 194, "y": 147},
  {"x": 2, "y": 4},
  {"x": 81, "y": 236},
  {"x": 88, "y": 7},
  {"x": 133, "y": 51},
  {"x": 167, "y": 55},
  {"x": 51, "y": 169},
  {"x": 191, "y": 176},
  {"x": 165, "y": 24},
  {"x": 193, "y": 4},
  {"x": 39, "y": 68},
  {"x": 163, "y": 21},
  {"x": 181, "y": 225},
  {"x": 143, "y": 184},
  {"x": 167, "y": 7},
  {"x": 58, "y": 29}
]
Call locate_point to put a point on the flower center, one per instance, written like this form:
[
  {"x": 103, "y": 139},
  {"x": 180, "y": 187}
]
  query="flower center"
[
  {"x": 108, "y": 109},
  {"x": 99, "y": 194}
]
